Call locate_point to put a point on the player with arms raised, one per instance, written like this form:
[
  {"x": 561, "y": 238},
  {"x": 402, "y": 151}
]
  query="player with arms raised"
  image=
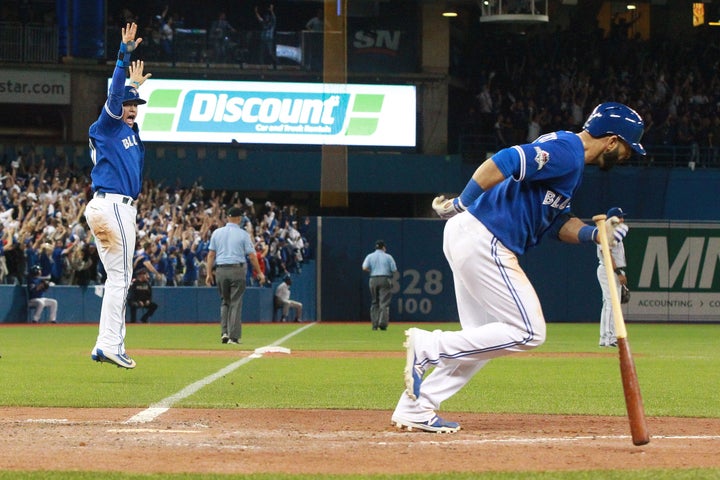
[
  {"x": 512, "y": 201},
  {"x": 118, "y": 158}
]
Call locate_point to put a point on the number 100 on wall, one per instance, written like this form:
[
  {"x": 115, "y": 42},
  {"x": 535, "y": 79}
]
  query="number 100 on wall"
[{"x": 417, "y": 290}]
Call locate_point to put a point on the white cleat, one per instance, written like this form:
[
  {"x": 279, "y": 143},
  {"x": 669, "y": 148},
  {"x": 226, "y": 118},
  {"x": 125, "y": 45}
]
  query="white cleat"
[{"x": 434, "y": 425}]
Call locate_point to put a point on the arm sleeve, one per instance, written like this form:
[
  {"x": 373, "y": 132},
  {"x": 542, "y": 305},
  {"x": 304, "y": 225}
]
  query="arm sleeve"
[{"x": 117, "y": 86}]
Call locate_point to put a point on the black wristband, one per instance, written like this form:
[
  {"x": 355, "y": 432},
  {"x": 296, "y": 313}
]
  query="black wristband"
[{"x": 619, "y": 271}]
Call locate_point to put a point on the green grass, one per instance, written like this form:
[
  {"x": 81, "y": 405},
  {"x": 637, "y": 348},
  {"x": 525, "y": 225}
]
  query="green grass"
[
  {"x": 50, "y": 366},
  {"x": 567, "y": 375}
]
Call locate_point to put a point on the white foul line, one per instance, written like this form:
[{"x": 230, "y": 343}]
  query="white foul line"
[{"x": 157, "y": 409}]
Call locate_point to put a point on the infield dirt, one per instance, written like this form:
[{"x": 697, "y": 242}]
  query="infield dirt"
[{"x": 340, "y": 442}]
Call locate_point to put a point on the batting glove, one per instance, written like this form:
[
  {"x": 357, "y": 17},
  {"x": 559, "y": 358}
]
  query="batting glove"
[
  {"x": 616, "y": 230},
  {"x": 447, "y": 207}
]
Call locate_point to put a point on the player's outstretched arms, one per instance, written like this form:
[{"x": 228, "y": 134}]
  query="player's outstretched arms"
[
  {"x": 128, "y": 37},
  {"x": 137, "y": 77}
]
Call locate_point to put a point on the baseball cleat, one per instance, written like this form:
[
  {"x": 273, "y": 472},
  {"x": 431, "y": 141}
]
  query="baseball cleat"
[
  {"x": 224, "y": 338},
  {"x": 122, "y": 360},
  {"x": 413, "y": 371},
  {"x": 434, "y": 425}
]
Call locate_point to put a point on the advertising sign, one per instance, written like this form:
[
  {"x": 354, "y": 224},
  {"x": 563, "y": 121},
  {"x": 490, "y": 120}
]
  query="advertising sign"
[
  {"x": 673, "y": 272},
  {"x": 277, "y": 113},
  {"x": 34, "y": 87}
]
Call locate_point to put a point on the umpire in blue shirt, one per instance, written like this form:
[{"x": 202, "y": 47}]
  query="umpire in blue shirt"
[
  {"x": 230, "y": 250},
  {"x": 381, "y": 266}
]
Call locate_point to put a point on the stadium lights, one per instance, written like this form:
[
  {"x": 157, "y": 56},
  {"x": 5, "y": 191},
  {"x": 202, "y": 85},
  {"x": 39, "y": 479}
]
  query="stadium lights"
[
  {"x": 449, "y": 11},
  {"x": 631, "y": 6}
]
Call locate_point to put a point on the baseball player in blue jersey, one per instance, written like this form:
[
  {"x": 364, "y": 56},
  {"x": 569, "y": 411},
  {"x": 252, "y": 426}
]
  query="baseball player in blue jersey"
[
  {"x": 513, "y": 200},
  {"x": 117, "y": 155}
]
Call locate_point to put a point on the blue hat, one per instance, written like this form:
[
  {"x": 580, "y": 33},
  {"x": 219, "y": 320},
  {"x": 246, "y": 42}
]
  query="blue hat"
[
  {"x": 132, "y": 95},
  {"x": 615, "y": 212}
]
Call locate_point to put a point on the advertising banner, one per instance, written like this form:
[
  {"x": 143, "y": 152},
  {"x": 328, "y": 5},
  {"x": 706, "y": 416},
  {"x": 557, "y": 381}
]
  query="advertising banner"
[
  {"x": 35, "y": 87},
  {"x": 277, "y": 113},
  {"x": 673, "y": 271}
]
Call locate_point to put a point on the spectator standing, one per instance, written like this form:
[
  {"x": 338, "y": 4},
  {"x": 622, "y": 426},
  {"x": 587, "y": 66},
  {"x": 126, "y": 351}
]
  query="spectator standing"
[
  {"x": 166, "y": 37},
  {"x": 617, "y": 255},
  {"x": 282, "y": 299},
  {"x": 381, "y": 266},
  {"x": 15, "y": 260},
  {"x": 140, "y": 296},
  {"x": 37, "y": 286},
  {"x": 220, "y": 31},
  {"x": 190, "y": 260},
  {"x": 144, "y": 259},
  {"x": 316, "y": 23},
  {"x": 230, "y": 250},
  {"x": 118, "y": 159},
  {"x": 268, "y": 22}
]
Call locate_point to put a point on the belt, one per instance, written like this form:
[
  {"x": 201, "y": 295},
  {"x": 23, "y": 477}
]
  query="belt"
[
  {"x": 115, "y": 197},
  {"x": 225, "y": 265},
  {"x": 380, "y": 276}
]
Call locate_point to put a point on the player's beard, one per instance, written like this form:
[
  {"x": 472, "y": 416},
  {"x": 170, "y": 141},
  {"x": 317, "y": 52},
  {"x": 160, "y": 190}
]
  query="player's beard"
[{"x": 609, "y": 159}]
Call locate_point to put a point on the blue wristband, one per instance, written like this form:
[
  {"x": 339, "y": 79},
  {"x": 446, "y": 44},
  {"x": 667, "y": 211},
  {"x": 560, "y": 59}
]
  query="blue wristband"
[
  {"x": 123, "y": 59},
  {"x": 470, "y": 193},
  {"x": 587, "y": 234}
]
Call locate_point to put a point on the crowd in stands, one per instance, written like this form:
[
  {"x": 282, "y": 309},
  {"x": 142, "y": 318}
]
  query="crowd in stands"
[
  {"x": 42, "y": 224},
  {"x": 519, "y": 92}
]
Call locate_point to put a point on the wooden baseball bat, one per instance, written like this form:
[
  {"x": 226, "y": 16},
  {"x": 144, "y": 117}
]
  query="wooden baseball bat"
[{"x": 631, "y": 387}]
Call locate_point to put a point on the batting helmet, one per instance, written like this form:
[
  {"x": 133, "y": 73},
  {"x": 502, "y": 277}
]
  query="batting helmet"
[
  {"x": 36, "y": 270},
  {"x": 612, "y": 118},
  {"x": 131, "y": 95}
]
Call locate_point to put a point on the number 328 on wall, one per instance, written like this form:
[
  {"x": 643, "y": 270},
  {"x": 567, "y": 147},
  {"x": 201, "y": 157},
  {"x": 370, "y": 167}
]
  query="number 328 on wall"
[{"x": 416, "y": 284}]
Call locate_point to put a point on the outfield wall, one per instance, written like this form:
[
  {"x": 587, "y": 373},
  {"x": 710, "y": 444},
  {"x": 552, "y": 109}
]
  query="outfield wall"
[
  {"x": 176, "y": 304},
  {"x": 672, "y": 271}
]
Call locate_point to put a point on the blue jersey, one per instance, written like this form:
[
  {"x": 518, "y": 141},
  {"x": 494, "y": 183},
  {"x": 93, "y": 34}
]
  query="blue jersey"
[
  {"x": 116, "y": 150},
  {"x": 540, "y": 180}
]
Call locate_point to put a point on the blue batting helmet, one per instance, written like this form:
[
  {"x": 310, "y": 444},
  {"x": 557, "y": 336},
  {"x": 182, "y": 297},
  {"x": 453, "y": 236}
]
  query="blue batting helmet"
[
  {"x": 131, "y": 95},
  {"x": 612, "y": 118}
]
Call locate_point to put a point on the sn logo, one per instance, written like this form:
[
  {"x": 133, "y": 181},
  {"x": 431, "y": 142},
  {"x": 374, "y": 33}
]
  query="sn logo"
[{"x": 129, "y": 142}]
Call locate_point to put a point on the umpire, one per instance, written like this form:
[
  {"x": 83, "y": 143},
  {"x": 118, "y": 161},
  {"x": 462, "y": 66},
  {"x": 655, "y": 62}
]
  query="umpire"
[
  {"x": 230, "y": 249},
  {"x": 381, "y": 266}
]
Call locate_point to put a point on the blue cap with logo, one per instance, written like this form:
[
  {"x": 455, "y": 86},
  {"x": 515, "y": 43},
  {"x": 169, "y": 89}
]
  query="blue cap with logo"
[
  {"x": 615, "y": 212},
  {"x": 132, "y": 96}
]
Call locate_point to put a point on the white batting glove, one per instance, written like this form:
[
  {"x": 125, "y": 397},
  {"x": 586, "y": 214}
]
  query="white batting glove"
[
  {"x": 616, "y": 230},
  {"x": 447, "y": 207}
]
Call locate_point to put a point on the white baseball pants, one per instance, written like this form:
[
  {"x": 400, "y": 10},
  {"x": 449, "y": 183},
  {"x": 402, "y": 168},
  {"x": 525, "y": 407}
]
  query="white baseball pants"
[
  {"x": 498, "y": 309},
  {"x": 113, "y": 225},
  {"x": 607, "y": 322}
]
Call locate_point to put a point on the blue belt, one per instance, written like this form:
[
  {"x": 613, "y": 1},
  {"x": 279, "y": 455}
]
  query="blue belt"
[{"x": 225, "y": 265}]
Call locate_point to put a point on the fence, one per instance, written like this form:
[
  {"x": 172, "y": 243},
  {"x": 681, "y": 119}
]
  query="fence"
[
  {"x": 476, "y": 148},
  {"x": 28, "y": 43}
]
